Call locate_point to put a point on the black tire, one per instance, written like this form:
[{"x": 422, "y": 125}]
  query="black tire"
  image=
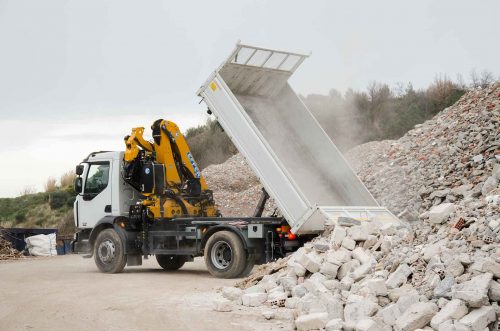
[
  {"x": 250, "y": 263},
  {"x": 225, "y": 256},
  {"x": 171, "y": 262},
  {"x": 109, "y": 255}
]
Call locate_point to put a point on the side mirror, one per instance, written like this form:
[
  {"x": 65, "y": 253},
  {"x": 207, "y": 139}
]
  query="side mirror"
[
  {"x": 78, "y": 185},
  {"x": 79, "y": 170}
]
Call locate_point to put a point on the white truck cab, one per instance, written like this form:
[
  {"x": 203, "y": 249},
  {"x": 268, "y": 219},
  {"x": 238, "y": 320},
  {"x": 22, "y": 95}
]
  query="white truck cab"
[{"x": 103, "y": 192}]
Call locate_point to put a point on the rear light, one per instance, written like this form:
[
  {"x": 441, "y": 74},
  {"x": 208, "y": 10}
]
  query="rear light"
[{"x": 291, "y": 236}]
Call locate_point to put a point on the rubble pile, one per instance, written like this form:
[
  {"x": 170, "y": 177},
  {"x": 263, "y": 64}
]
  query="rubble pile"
[
  {"x": 236, "y": 188},
  {"x": 439, "y": 272},
  {"x": 7, "y": 252},
  {"x": 449, "y": 159}
]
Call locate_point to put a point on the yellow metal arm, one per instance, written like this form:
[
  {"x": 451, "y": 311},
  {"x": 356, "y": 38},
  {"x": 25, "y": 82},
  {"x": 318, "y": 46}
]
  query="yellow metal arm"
[{"x": 133, "y": 142}]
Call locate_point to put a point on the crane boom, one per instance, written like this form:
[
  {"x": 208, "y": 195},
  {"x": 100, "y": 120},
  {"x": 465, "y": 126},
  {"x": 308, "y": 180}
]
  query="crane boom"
[{"x": 166, "y": 173}]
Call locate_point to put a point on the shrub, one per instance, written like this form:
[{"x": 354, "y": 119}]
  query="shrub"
[{"x": 58, "y": 199}]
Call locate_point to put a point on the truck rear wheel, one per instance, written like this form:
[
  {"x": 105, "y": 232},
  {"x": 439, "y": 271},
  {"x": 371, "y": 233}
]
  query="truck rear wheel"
[
  {"x": 225, "y": 255},
  {"x": 171, "y": 262},
  {"x": 109, "y": 255}
]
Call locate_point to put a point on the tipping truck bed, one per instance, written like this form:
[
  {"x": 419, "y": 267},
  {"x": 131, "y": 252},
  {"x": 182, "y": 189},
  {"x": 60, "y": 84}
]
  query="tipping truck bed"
[{"x": 295, "y": 160}]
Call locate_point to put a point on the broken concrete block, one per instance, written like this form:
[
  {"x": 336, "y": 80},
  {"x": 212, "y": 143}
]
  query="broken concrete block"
[
  {"x": 443, "y": 288},
  {"x": 338, "y": 235},
  {"x": 321, "y": 246},
  {"x": 310, "y": 261},
  {"x": 455, "y": 309},
  {"x": 396, "y": 293},
  {"x": 305, "y": 303},
  {"x": 346, "y": 283},
  {"x": 329, "y": 269},
  {"x": 288, "y": 282},
  {"x": 334, "y": 325},
  {"x": 315, "y": 286},
  {"x": 357, "y": 233},
  {"x": 494, "y": 291},
  {"x": 398, "y": 277},
  {"x": 222, "y": 305},
  {"x": 362, "y": 271},
  {"x": 440, "y": 213},
  {"x": 299, "y": 270},
  {"x": 493, "y": 267},
  {"x": 332, "y": 284},
  {"x": 348, "y": 243},
  {"x": 474, "y": 291},
  {"x": 367, "y": 324},
  {"x": 339, "y": 257},
  {"x": 299, "y": 291},
  {"x": 478, "y": 319},
  {"x": 416, "y": 316},
  {"x": 361, "y": 255},
  {"x": 489, "y": 185},
  {"x": 346, "y": 268},
  {"x": 377, "y": 286},
  {"x": 255, "y": 289},
  {"x": 357, "y": 310},
  {"x": 311, "y": 321},
  {"x": 406, "y": 301},
  {"x": 334, "y": 306},
  {"x": 389, "y": 314},
  {"x": 455, "y": 267},
  {"x": 451, "y": 325},
  {"x": 232, "y": 293},
  {"x": 253, "y": 299}
]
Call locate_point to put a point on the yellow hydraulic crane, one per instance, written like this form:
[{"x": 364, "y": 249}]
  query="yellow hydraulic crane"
[{"x": 166, "y": 173}]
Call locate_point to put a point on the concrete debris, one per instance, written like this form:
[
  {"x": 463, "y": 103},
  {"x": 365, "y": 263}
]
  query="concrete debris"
[
  {"x": 253, "y": 299},
  {"x": 439, "y": 270},
  {"x": 474, "y": 291},
  {"x": 478, "y": 319},
  {"x": 223, "y": 305},
  {"x": 416, "y": 317},
  {"x": 455, "y": 309},
  {"x": 312, "y": 321}
]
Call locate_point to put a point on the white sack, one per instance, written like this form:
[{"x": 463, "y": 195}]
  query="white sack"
[{"x": 42, "y": 245}]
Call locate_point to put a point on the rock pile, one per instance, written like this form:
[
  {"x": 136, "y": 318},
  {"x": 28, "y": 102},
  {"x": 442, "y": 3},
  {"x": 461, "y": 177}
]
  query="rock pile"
[
  {"x": 441, "y": 271},
  {"x": 370, "y": 276},
  {"x": 452, "y": 158},
  {"x": 236, "y": 188}
]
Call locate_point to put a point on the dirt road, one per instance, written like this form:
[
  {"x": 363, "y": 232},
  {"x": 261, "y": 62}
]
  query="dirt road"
[{"x": 67, "y": 292}]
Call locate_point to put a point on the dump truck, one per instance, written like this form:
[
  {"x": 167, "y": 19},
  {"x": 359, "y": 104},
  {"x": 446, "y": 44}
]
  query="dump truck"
[{"x": 152, "y": 199}]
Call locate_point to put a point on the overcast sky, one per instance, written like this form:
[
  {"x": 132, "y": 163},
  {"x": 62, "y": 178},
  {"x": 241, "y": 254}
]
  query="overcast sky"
[{"x": 75, "y": 76}]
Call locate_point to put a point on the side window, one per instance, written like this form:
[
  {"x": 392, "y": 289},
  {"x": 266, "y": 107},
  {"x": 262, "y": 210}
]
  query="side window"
[{"x": 97, "y": 178}]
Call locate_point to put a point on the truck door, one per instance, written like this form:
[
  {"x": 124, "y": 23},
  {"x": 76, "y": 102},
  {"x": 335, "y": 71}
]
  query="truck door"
[{"x": 95, "y": 201}]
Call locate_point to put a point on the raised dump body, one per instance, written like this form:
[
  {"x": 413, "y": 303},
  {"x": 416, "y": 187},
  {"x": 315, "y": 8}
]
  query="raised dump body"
[{"x": 295, "y": 160}]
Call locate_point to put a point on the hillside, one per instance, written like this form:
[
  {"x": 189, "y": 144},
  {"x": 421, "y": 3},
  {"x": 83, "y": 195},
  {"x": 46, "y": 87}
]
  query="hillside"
[{"x": 46, "y": 210}]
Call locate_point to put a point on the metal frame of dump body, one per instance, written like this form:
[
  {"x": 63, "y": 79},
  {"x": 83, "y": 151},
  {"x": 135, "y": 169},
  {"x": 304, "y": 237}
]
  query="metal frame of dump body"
[{"x": 300, "y": 167}]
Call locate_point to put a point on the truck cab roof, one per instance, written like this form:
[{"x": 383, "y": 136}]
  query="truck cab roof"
[{"x": 103, "y": 155}]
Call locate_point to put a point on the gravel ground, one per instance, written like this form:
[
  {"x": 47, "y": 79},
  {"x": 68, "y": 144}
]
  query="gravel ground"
[{"x": 67, "y": 292}]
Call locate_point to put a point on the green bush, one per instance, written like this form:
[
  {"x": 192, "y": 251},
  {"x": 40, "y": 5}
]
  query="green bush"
[
  {"x": 20, "y": 216},
  {"x": 58, "y": 199}
]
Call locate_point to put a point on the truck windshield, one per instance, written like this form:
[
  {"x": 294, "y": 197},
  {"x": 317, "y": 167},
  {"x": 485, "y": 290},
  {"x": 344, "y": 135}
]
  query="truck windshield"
[{"x": 97, "y": 178}]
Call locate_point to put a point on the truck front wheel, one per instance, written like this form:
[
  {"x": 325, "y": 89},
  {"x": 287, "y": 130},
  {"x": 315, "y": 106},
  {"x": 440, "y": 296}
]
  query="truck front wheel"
[
  {"x": 225, "y": 255},
  {"x": 171, "y": 262},
  {"x": 108, "y": 252}
]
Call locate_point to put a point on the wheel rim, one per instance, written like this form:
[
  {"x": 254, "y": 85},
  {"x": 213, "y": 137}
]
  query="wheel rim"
[
  {"x": 106, "y": 251},
  {"x": 221, "y": 255}
]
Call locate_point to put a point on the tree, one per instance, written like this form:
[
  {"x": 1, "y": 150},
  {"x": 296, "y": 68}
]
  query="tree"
[{"x": 50, "y": 185}]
